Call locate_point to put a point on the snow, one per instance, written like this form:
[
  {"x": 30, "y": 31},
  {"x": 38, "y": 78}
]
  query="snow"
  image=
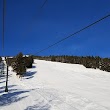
[{"x": 56, "y": 86}]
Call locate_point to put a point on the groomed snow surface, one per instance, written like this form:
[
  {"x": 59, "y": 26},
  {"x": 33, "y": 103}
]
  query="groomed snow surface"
[{"x": 56, "y": 86}]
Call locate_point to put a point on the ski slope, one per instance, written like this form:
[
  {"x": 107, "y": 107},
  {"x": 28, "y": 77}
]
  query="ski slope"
[{"x": 56, "y": 86}]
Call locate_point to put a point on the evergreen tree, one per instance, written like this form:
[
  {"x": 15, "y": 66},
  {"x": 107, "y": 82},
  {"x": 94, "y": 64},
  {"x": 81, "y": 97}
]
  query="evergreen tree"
[
  {"x": 28, "y": 61},
  {"x": 0, "y": 59},
  {"x": 53, "y": 58},
  {"x": 19, "y": 65}
]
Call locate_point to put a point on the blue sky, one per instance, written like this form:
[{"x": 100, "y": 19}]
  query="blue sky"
[{"x": 28, "y": 31}]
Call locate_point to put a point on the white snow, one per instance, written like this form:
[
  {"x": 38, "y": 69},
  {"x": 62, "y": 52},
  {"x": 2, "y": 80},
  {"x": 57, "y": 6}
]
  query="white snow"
[{"x": 56, "y": 86}]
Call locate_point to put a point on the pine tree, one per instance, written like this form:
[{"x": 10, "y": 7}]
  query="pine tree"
[
  {"x": 53, "y": 58},
  {"x": 0, "y": 59},
  {"x": 19, "y": 65},
  {"x": 28, "y": 61}
]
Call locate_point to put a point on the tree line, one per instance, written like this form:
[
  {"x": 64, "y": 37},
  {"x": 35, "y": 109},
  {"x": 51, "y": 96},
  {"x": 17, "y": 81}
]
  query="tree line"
[
  {"x": 87, "y": 61},
  {"x": 19, "y": 63}
]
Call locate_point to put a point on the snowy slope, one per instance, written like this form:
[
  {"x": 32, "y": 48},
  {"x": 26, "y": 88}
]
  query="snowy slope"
[{"x": 57, "y": 86}]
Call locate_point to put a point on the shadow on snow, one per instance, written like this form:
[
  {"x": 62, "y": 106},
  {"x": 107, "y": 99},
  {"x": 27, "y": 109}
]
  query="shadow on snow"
[
  {"x": 4, "y": 76},
  {"x": 10, "y": 86},
  {"x": 30, "y": 74},
  {"x": 38, "y": 107},
  {"x": 2, "y": 81},
  {"x": 33, "y": 66},
  {"x": 9, "y": 98}
]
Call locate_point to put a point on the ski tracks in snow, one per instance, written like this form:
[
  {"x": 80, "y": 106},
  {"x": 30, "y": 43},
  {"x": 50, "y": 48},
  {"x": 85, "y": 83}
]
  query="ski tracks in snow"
[
  {"x": 59, "y": 100},
  {"x": 41, "y": 95}
]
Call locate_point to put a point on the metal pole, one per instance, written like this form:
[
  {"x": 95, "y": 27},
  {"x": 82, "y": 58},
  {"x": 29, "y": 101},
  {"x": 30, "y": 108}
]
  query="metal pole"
[
  {"x": 3, "y": 24},
  {"x": 4, "y": 9},
  {"x": 6, "y": 88}
]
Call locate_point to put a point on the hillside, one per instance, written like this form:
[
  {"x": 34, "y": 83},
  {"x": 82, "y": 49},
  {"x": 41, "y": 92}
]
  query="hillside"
[{"x": 56, "y": 86}]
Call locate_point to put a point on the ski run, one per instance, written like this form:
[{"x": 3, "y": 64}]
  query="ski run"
[{"x": 56, "y": 86}]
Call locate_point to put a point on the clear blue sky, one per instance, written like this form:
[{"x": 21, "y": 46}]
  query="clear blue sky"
[{"x": 28, "y": 32}]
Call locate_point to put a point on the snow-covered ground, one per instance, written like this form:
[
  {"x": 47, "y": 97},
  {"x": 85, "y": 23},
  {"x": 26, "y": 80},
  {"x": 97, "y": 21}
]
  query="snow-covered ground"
[{"x": 56, "y": 86}]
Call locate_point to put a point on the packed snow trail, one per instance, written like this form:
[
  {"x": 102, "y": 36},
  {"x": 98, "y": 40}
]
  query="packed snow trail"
[{"x": 57, "y": 86}]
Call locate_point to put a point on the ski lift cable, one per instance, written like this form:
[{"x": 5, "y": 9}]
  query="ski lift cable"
[{"x": 72, "y": 35}]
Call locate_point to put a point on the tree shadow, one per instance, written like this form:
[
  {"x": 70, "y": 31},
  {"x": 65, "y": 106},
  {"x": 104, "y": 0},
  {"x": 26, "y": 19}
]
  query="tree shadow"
[
  {"x": 12, "y": 97},
  {"x": 33, "y": 66},
  {"x": 2, "y": 81},
  {"x": 2, "y": 77},
  {"x": 30, "y": 74},
  {"x": 39, "y": 107},
  {"x": 9, "y": 90},
  {"x": 10, "y": 86},
  {"x": 30, "y": 77}
]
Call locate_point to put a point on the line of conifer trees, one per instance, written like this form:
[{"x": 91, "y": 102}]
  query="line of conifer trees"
[{"x": 87, "y": 61}]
